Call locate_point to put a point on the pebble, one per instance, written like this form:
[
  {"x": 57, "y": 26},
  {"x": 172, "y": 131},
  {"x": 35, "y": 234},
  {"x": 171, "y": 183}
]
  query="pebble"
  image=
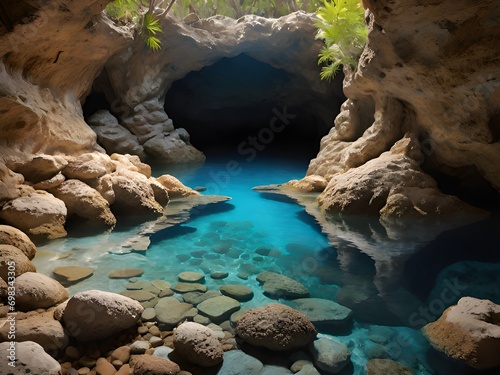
[
  {"x": 86, "y": 361},
  {"x": 139, "y": 347},
  {"x": 148, "y": 314},
  {"x": 103, "y": 367},
  {"x": 121, "y": 354},
  {"x": 72, "y": 352},
  {"x": 155, "y": 341}
]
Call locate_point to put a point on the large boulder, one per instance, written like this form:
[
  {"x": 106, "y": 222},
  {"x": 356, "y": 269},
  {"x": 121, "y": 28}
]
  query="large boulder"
[
  {"x": 276, "y": 327},
  {"x": 198, "y": 344},
  {"x": 13, "y": 236},
  {"x": 38, "y": 214},
  {"x": 35, "y": 290},
  {"x": 83, "y": 201},
  {"x": 27, "y": 357},
  {"x": 14, "y": 262},
  {"x": 469, "y": 332},
  {"x": 134, "y": 194},
  {"x": 40, "y": 328},
  {"x": 89, "y": 166},
  {"x": 9, "y": 182},
  {"x": 41, "y": 168},
  {"x": 93, "y": 315}
]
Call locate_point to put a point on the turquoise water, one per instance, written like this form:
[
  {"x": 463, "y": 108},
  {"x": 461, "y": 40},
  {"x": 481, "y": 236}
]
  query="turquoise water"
[{"x": 358, "y": 266}]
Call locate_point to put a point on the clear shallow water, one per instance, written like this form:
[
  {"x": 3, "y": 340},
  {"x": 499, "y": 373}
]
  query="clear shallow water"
[{"x": 376, "y": 276}]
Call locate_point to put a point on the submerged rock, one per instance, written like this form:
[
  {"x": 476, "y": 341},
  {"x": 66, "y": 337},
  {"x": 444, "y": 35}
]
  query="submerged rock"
[
  {"x": 281, "y": 286},
  {"x": 73, "y": 274},
  {"x": 240, "y": 293},
  {"x": 330, "y": 355},
  {"x": 170, "y": 312},
  {"x": 386, "y": 366},
  {"x": 125, "y": 273},
  {"x": 275, "y": 327},
  {"x": 326, "y": 315},
  {"x": 469, "y": 332},
  {"x": 218, "y": 308},
  {"x": 238, "y": 362}
]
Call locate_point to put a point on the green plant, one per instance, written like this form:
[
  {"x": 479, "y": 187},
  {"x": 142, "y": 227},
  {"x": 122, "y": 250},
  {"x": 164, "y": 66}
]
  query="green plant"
[
  {"x": 342, "y": 27},
  {"x": 140, "y": 12}
]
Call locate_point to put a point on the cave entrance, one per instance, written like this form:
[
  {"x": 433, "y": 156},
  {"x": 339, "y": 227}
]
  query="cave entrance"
[{"x": 239, "y": 104}]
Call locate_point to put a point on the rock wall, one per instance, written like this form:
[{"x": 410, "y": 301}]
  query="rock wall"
[
  {"x": 48, "y": 62},
  {"x": 428, "y": 80},
  {"x": 135, "y": 81}
]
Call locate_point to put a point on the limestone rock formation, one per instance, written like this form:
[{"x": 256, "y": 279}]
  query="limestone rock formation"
[
  {"x": 114, "y": 137},
  {"x": 438, "y": 81},
  {"x": 30, "y": 358},
  {"x": 93, "y": 315},
  {"x": 276, "y": 327},
  {"x": 198, "y": 344},
  {"x": 135, "y": 81},
  {"x": 468, "y": 331},
  {"x": 42, "y": 82},
  {"x": 175, "y": 188}
]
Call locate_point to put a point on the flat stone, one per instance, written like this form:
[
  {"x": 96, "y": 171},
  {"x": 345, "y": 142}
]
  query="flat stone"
[
  {"x": 219, "y": 308},
  {"x": 326, "y": 315},
  {"x": 138, "y": 285},
  {"x": 73, "y": 273},
  {"x": 166, "y": 293},
  {"x": 195, "y": 298},
  {"x": 240, "y": 293},
  {"x": 237, "y": 362},
  {"x": 122, "y": 354},
  {"x": 219, "y": 275},
  {"x": 125, "y": 273},
  {"x": 276, "y": 285},
  {"x": 160, "y": 284},
  {"x": 183, "y": 287},
  {"x": 138, "y": 295},
  {"x": 191, "y": 277},
  {"x": 171, "y": 312},
  {"x": 330, "y": 355},
  {"x": 386, "y": 366}
]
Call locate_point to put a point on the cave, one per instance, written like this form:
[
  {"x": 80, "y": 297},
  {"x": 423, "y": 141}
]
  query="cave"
[{"x": 243, "y": 105}]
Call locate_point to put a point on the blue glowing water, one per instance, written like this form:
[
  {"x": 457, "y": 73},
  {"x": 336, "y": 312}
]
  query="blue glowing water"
[{"x": 225, "y": 237}]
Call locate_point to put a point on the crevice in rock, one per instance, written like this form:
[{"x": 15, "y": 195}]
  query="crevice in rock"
[{"x": 242, "y": 101}]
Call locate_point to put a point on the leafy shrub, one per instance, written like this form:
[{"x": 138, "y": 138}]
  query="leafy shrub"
[{"x": 342, "y": 27}]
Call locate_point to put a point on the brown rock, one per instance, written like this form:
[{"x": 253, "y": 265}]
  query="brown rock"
[
  {"x": 122, "y": 354},
  {"x": 103, "y": 367},
  {"x": 41, "y": 168},
  {"x": 13, "y": 260},
  {"x": 125, "y": 273},
  {"x": 276, "y": 327},
  {"x": 148, "y": 365},
  {"x": 39, "y": 213},
  {"x": 469, "y": 332},
  {"x": 13, "y": 236},
  {"x": 40, "y": 328},
  {"x": 89, "y": 166},
  {"x": 85, "y": 202},
  {"x": 35, "y": 290},
  {"x": 198, "y": 344},
  {"x": 386, "y": 366},
  {"x": 106, "y": 314},
  {"x": 73, "y": 273},
  {"x": 175, "y": 188}
]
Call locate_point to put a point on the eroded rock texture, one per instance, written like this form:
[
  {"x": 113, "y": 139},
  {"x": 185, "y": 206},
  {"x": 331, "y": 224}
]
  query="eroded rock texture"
[
  {"x": 428, "y": 80},
  {"x": 136, "y": 81},
  {"x": 48, "y": 62}
]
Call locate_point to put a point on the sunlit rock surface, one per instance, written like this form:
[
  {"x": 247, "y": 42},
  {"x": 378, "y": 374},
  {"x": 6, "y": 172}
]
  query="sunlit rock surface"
[
  {"x": 438, "y": 81},
  {"x": 48, "y": 64}
]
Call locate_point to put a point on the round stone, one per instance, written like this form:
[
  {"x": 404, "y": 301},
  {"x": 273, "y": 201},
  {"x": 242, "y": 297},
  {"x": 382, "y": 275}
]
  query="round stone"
[
  {"x": 219, "y": 275},
  {"x": 191, "y": 277},
  {"x": 219, "y": 308}
]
